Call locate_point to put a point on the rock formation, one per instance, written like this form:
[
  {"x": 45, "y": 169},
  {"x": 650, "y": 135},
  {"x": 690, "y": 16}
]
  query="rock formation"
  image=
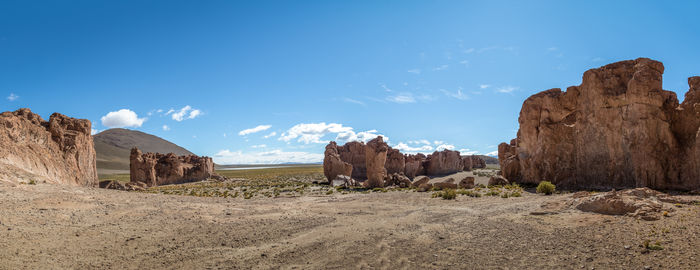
[
  {"x": 333, "y": 165},
  {"x": 414, "y": 165},
  {"x": 395, "y": 161},
  {"x": 467, "y": 163},
  {"x": 467, "y": 182},
  {"x": 375, "y": 158},
  {"x": 354, "y": 153},
  {"x": 477, "y": 162},
  {"x": 59, "y": 151},
  {"x": 618, "y": 129},
  {"x": 444, "y": 162},
  {"x": 156, "y": 169}
]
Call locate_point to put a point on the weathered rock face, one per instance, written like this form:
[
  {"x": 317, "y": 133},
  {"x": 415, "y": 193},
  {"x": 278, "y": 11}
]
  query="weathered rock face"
[
  {"x": 617, "y": 129},
  {"x": 60, "y": 151},
  {"x": 414, "y": 165},
  {"x": 444, "y": 162},
  {"x": 375, "y": 157},
  {"x": 156, "y": 169},
  {"x": 467, "y": 163},
  {"x": 333, "y": 165},
  {"x": 395, "y": 161},
  {"x": 354, "y": 153},
  {"x": 477, "y": 162},
  {"x": 467, "y": 182}
]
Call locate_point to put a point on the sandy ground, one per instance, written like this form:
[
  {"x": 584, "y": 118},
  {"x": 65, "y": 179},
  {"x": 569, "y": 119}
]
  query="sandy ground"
[{"x": 48, "y": 226}]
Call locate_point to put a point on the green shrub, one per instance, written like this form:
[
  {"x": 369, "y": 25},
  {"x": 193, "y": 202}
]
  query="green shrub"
[
  {"x": 516, "y": 194},
  {"x": 493, "y": 193},
  {"x": 32, "y": 182},
  {"x": 546, "y": 187},
  {"x": 657, "y": 246},
  {"x": 447, "y": 194}
]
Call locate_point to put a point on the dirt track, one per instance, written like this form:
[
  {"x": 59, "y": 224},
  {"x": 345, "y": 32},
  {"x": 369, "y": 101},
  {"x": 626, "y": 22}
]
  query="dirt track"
[{"x": 49, "y": 226}]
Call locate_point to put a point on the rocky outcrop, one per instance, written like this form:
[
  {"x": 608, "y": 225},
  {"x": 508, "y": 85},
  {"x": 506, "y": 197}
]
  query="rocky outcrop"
[
  {"x": 375, "y": 158},
  {"x": 467, "y": 182},
  {"x": 466, "y": 163},
  {"x": 395, "y": 161},
  {"x": 354, "y": 154},
  {"x": 477, "y": 162},
  {"x": 618, "y": 129},
  {"x": 397, "y": 179},
  {"x": 414, "y": 165},
  {"x": 497, "y": 180},
  {"x": 443, "y": 163},
  {"x": 333, "y": 165},
  {"x": 156, "y": 169},
  {"x": 58, "y": 151},
  {"x": 420, "y": 180}
]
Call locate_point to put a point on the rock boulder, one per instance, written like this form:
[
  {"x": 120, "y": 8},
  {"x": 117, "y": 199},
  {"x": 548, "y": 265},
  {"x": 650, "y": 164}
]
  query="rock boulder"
[
  {"x": 618, "y": 129},
  {"x": 444, "y": 162},
  {"x": 58, "y": 151},
  {"x": 156, "y": 169}
]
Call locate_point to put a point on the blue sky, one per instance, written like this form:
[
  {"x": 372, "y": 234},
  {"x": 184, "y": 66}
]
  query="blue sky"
[{"x": 273, "y": 81}]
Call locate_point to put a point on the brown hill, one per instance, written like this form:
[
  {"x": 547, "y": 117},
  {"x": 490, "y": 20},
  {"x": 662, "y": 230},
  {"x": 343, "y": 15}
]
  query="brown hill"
[{"x": 113, "y": 148}]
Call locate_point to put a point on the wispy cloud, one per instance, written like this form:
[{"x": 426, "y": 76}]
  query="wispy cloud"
[
  {"x": 12, "y": 97},
  {"x": 464, "y": 62},
  {"x": 444, "y": 147},
  {"x": 458, "y": 95},
  {"x": 442, "y": 67},
  {"x": 258, "y": 146},
  {"x": 484, "y": 86},
  {"x": 350, "y": 100},
  {"x": 470, "y": 50},
  {"x": 414, "y": 71},
  {"x": 271, "y": 134},
  {"x": 166, "y": 128},
  {"x": 254, "y": 130},
  {"x": 402, "y": 98},
  {"x": 466, "y": 151},
  {"x": 506, "y": 89},
  {"x": 493, "y": 153}
]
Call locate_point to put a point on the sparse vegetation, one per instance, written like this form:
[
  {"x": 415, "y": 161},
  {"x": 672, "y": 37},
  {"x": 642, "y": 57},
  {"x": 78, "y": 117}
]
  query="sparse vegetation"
[
  {"x": 447, "y": 194},
  {"x": 32, "y": 182},
  {"x": 546, "y": 187},
  {"x": 656, "y": 246}
]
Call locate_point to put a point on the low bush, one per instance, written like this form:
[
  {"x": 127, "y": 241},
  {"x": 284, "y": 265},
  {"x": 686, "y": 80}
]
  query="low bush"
[{"x": 546, "y": 187}]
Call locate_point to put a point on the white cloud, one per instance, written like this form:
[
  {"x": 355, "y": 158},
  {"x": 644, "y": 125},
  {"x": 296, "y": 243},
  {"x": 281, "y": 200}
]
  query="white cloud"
[
  {"x": 470, "y": 50},
  {"x": 438, "y": 142},
  {"x": 506, "y": 89},
  {"x": 406, "y": 148},
  {"x": 493, "y": 153},
  {"x": 402, "y": 98},
  {"x": 442, "y": 67},
  {"x": 350, "y": 100},
  {"x": 315, "y": 132},
  {"x": 465, "y": 151},
  {"x": 464, "y": 62},
  {"x": 254, "y": 130},
  {"x": 386, "y": 88},
  {"x": 12, "y": 97},
  {"x": 458, "y": 95},
  {"x": 271, "y": 134},
  {"x": 166, "y": 127},
  {"x": 159, "y": 110},
  {"x": 420, "y": 142},
  {"x": 94, "y": 131},
  {"x": 484, "y": 86},
  {"x": 414, "y": 71},
  {"x": 259, "y": 146},
  {"x": 445, "y": 146},
  {"x": 186, "y": 112},
  {"x": 122, "y": 118},
  {"x": 362, "y": 136},
  {"x": 269, "y": 157}
]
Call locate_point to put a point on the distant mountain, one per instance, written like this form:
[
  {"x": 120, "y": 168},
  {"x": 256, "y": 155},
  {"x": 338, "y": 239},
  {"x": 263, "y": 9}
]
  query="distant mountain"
[
  {"x": 489, "y": 159},
  {"x": 113, "y": 148}
]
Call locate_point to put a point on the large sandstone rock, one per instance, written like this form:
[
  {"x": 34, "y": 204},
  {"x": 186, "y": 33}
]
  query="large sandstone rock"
[
  {"x": 477, "y": 162},
  {"x": 354, "y": 153},
  {"x": 59, "y": 151},
  {"x": 420, "y": 180},
  {"x": 395, "y": 161},
  {"x": 156, "y": 169},
  {"x": 618, "y": 129},
  {"x": 414, "y": 165},
  {"x": 375, "y": 158},
  {"x": 467, "y": 163},
  {"x": 444, "y": 162},
  {"x": 333, "y": 165}
]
